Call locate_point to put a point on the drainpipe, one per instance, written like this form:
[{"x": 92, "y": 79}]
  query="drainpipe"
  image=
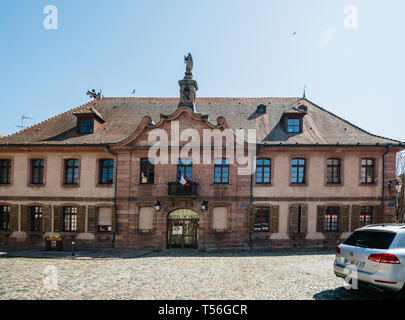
[
  {"x": 383, "y": 173},
  {"x": 107, "y": 149}
]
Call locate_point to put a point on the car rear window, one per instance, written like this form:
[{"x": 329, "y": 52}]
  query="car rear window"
[{"x": 371, "y": 239}]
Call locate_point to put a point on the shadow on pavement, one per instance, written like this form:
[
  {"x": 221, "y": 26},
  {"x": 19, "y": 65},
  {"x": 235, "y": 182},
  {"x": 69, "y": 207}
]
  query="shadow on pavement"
[{"x": 362, "y": 293}]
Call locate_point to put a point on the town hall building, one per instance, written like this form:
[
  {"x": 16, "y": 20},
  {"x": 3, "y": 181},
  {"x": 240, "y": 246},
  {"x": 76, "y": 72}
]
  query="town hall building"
[{"x": 87, "y": 175}]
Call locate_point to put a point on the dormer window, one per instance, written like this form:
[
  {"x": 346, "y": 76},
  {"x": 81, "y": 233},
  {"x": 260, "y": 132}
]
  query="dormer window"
[
  {"x": 294, "y": 125},
  {"x": 88, "y": 120},
  {"x": 292, "y": 119},
  {"x": 86, "y": 126},
  {"x": 261, "y": 109}
]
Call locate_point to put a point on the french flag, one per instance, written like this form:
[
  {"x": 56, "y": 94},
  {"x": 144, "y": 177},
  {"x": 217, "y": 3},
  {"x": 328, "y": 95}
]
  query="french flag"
[{"x": 183, "y": 181}]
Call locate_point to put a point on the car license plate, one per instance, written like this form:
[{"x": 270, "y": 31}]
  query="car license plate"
[{"x": 356, "y": 263}]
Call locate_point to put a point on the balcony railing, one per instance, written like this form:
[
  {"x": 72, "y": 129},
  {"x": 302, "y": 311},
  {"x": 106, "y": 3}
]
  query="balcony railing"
[{"x": 178, "y": 190}]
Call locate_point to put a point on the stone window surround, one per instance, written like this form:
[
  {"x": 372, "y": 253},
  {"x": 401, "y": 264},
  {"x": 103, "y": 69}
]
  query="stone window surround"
[
  {"x": 8, "y": 185},
  {"x": 29, "y": 170},
  {"x": 97, "y": 181},
  {"x": 70, "y": 157}
]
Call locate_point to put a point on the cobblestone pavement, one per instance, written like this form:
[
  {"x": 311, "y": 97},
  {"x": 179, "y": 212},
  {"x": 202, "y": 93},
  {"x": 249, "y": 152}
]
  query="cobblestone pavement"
[{"x": 181, "y": 275}]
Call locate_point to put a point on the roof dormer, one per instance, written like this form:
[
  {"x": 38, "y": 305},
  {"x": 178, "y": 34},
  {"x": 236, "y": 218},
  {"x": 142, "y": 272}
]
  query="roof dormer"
[
  {"x": 292, "y": 119},
  {"x": 261, "y": 109},
  {"x": 89, "y": 120}
]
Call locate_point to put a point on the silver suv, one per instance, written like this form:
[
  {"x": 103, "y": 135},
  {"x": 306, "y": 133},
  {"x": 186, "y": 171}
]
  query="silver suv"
[{"x": 377, "y": 253}]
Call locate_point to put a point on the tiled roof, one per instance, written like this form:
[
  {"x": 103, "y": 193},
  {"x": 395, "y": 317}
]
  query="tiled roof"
[{"x": 123, "y": 115}]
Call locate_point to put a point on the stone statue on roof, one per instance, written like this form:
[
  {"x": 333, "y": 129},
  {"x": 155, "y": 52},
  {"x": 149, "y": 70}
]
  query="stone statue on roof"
[{"x": 188, "y": 60}]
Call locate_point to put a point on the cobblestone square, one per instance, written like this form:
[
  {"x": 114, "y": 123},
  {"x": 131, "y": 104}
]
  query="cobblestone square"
[{"x": 286, "y": 275}]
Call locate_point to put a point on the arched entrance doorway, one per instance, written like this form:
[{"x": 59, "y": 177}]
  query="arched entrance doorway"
[{"x": 182, "y": 229}]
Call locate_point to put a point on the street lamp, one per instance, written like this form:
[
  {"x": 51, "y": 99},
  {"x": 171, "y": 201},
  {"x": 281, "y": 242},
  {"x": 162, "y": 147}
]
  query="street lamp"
[
  {"x": 158, "y": 206},
  {"x": 204, "y": 205}
]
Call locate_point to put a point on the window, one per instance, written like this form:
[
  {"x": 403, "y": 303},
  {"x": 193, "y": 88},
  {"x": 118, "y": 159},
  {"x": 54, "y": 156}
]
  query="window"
[
  {"x": 37, "y": 171},
  {"x": 5, "y": 217},
  {"x": 262, "y": 218},
  {"x": 185, "y": 168},
  {"x": 5, "y": 171},
  {"x": 147, "y": 171},
  {"x": 71, "y": 171},
  {"x": 298, "y": 171},
  {"x": 104, "y": 219},
  {"x": 106, "y": 171},
  {"x": 298, "y": 219},
  {"x": 366, "y": 216},
  {"x": 86, "y": 126},
  {"x": 145, "y": 219},
  {"x": 219, "y": 219},
  {"x": 70, "y": 219},
  {"x": 263, "y": 171},
  {"x": 332, "y": 219},
  {"x": 293, "y": 126},
  {"x": 370, "y": 239},
  {"x": 333, "y": 171},
  {"x": 36, "y": 218},
  {"x": 261, "y": 109},
  {"x": 367, "y": 171},
  {"x": 221, "y": 171}
]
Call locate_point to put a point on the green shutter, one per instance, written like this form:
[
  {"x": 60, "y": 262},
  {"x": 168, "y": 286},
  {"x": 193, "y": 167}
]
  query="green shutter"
[
  {"x": 345, "y": 219},
  {"x": 304, "y": 219},
  {"x": 24, "y": 218},
  {"x": 56, "y": 218},
  {"x": 320, "y": 219},
  {"x": 47, "y": 219},
  {"x": 91, "y": 219},
  {"x": 355, "y": 217},
  {"x": 113, "y": 220},
  {"x": 274, "y": 219},
  {"x": 81, "y": 218},
  {"x": 14, "y": 218},
  {"x": 293, "y": 219}
]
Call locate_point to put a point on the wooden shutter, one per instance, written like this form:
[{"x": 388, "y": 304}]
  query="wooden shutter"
[
  {"x": 293, "y": 219},
  {"x": 47, "y": 219},
  {"x": 24, "y": 218},
  {"x": 14, "y": 218},
  {"x": 113, "y": 220},
  {"x": 274, "y": 213},
  {"x": 56, "y": 218},
  {"x": 379, "y": 214},
  {"x": 320, "y": 219},
  {"x": 304, "y": 219},
  {"x": 251, "y": 219},
  {"x": 345, "y": 219},
  {"x": 91, "y": 219},
  {"x": 81, "y": 218},
  {"x": 355, "y": 217}
]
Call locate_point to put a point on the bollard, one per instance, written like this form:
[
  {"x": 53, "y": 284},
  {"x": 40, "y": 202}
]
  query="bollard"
[{"x": 73, "y": 248}]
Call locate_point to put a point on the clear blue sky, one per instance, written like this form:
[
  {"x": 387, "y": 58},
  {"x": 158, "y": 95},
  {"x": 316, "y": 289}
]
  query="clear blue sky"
[{"x": 240, "y": 48}]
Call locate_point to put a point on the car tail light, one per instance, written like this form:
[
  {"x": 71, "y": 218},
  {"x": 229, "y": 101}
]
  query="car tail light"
[
  {"x": 337, "y": 250},
  {"x": 384, "y": 258},
  {"x": 390, "y": 258}
]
